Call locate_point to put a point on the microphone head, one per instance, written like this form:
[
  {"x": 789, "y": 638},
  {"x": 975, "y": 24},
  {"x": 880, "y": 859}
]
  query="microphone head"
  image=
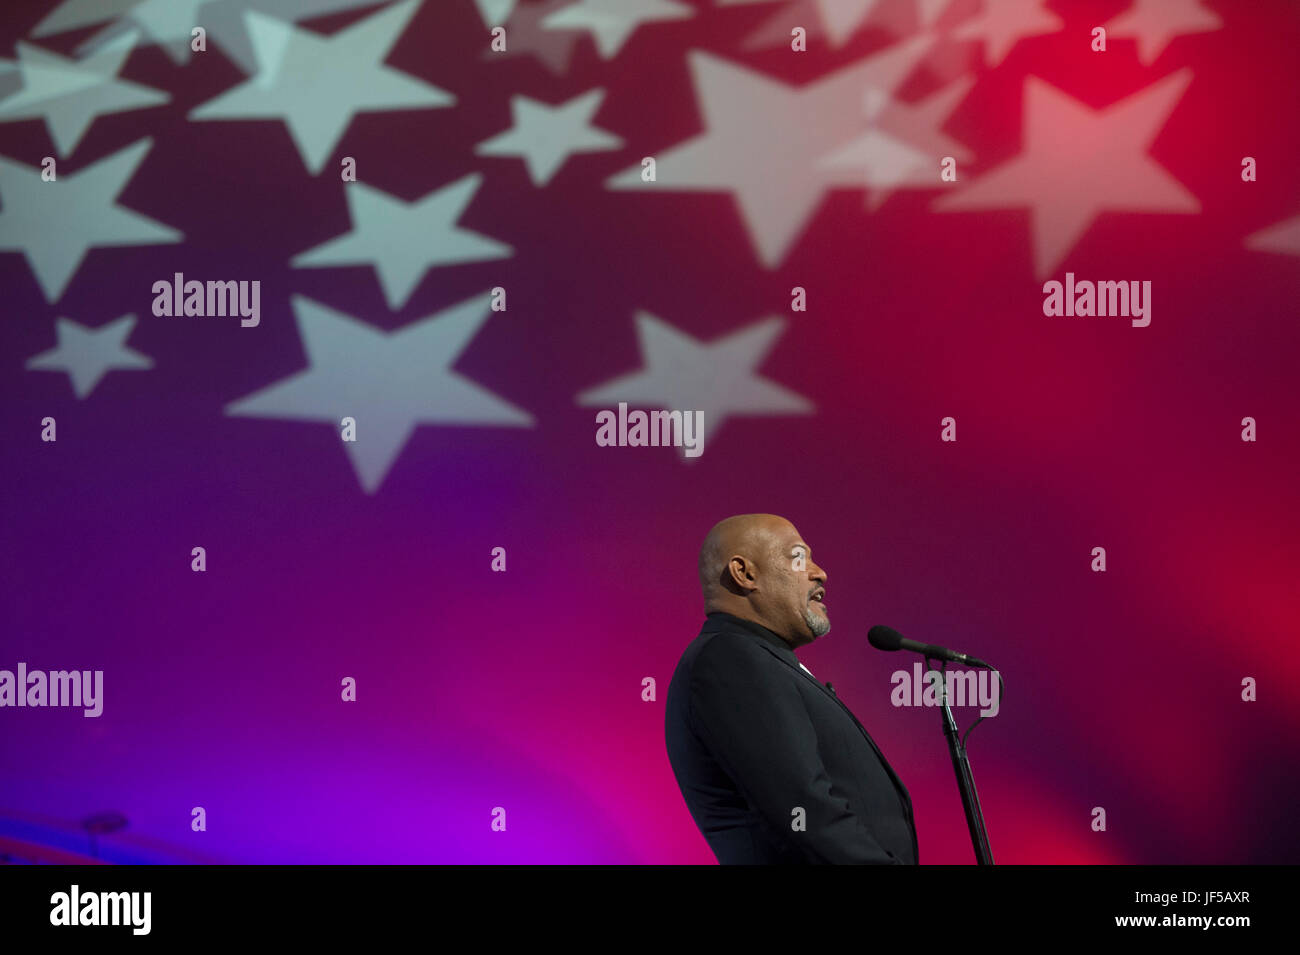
[{"x": 884, "y": 638}]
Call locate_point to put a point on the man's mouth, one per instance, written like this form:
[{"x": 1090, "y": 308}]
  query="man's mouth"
[{"x": 818, "y": 597}]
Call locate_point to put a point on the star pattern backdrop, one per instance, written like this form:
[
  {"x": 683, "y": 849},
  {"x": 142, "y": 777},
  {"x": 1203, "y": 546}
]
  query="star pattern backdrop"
[{"x": 522, "y": 170}]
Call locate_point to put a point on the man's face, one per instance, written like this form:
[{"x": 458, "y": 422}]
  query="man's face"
[{"x": 792, "y": 591}]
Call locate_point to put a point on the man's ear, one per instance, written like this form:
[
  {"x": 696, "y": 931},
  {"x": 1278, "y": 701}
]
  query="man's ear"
[{"x": 741, "y": 572}]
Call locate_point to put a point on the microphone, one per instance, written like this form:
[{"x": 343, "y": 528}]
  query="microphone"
[{"x": 887, "y": 638}]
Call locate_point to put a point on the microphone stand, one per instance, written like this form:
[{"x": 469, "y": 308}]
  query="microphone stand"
[{"x": 970, "y": 799}]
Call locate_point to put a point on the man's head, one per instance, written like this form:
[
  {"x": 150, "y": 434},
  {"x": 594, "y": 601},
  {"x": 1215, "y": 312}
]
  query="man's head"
[{"x": 756, "y": 566}]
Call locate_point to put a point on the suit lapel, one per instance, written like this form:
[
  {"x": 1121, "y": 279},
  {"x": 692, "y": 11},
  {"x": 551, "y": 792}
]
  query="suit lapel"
[{"x": 781, "y": 650}]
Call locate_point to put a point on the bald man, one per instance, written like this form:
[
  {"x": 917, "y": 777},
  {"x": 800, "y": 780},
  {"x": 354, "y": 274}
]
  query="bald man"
[{"x": 773, "y": 767}]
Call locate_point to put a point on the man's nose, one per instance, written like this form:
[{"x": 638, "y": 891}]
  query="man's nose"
[{"x": 817, "y": 574}]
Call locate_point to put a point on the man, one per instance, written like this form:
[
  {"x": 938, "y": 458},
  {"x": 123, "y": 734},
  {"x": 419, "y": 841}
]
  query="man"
[{"x": 773, "y": 767}]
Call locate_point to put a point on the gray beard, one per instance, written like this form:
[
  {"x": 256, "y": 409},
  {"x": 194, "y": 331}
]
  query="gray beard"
[{"x": 818, "y": 623}]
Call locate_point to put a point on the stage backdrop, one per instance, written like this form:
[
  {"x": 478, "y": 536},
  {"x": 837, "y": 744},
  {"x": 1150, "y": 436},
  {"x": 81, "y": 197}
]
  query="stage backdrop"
[{"x": 311, "y": 317}]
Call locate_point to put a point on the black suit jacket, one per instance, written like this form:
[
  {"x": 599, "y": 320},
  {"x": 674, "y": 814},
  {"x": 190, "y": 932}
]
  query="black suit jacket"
[{"x": 751, "y": 736}]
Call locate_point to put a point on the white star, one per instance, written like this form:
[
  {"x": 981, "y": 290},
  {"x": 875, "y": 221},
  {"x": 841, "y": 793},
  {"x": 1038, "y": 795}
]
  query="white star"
[
  {"x": 495, "y": 12},
  {"x": 843, "y": 17},
  {"x": 1079, "y": 162},
  {"x": 1153, "y": 23},
  {"x": 166, "y": 22},
  {"x": 546, "y": 136},
  {"x": 764, "y": 140},
  {"x": 1283, "y": 237},
  {"x": 317, "y": 84},
  {"x": 886, "y": 161},
  {"x": 390, "y": 382},
  {"x": 1004, "y": 23},
  {"x": 840, "y": 19},
  {"x": 526, "y": 36},
  {"x": 74, "y": 14},
  {"x": 929, "y": 11},
  {"x": 54, "y": 223},
  {"x": 170, "y": 22},
  {"x": 719, "y": 378},
  {"x": 905, "y": 145},
  {"x": 403, "y": 240},
  {"x": 68, "y": 94},
  {"x": 88, "y": 354},
  {"x": 611, "y": 22}
]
